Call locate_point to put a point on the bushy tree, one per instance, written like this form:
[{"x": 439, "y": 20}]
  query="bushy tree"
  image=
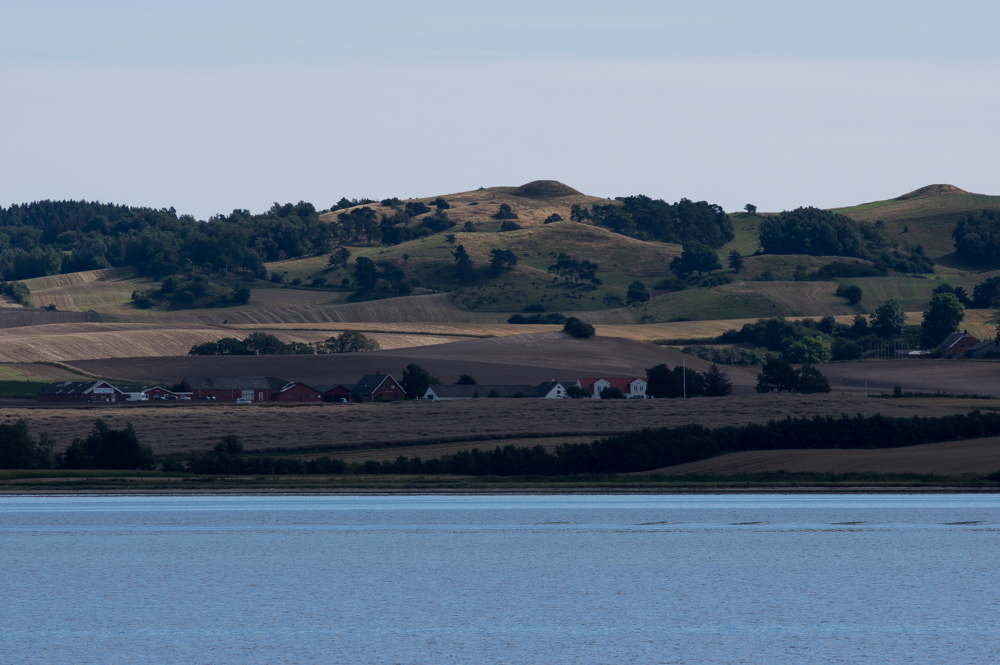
[
  {"x": 502, "y": 260},
  {"x": 416, "y": 380},
  {"x": 17, "y": 449},
  {"x": 851, "y": 292},
  {"x": 735, "y": 261},
  {"x": 554, "y": 217},
  {"x": 577, "y": 328},
  {"x": 777, "y": 375},
  {"x": 889, "y": 319},
  {"x": 576, "y": 392},
  {"x": 504, "y": 212},
  {"x": 941, "y": 319},
  {"x": 845, "y": 349},
  {"x": 108, "y": 448},
  {"x": 985, "y": 293},
  {"x": 339, "y": 257},
  {"x": 662, "y": 382},
  {"x": 811, "y": 380},
  {"x": 695, "y": 257},
  {"x": 812, "y": 231},
  {"x": 654, "y": 219},
  {"x": 465, "y": 380},
  {"x": 365, "y": 273},
  {"x": 750, "y": 209},
  {"x": 612, "y": 393},
  {"x": 716, "y": 382},
  {"x": 808, "y": 350},
  {"x": 637, "y": 292},
  {"x": 464, "y": 267},
  {"x": 350, "y": 341}
]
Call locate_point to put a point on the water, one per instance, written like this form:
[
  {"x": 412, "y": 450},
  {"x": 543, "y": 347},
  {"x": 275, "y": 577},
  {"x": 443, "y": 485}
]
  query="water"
[{"x": 499, "y": 579}]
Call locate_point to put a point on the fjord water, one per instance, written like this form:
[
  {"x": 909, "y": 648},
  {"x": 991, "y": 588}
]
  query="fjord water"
[{"x": 500, "y": 579}]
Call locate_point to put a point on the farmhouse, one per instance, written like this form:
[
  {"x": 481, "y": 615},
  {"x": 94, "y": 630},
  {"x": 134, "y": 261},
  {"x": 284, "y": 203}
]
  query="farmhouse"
[
  {"x": 988, "y": 349},
  {"x": 956, "y": 344},
  {"x": 630, "y": 387},
  {"x": 253, "y": 388},
  {"x": 80, "y": 391},
  {"x": 338, "y": 392},
  {"x": 378, "y": 386},
  {"x": 553, "y": 389}
]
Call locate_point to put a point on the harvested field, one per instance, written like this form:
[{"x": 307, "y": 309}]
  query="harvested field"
[
  {"x": 953, "y": 458},
  {"x": 17, "y": 316},
  {"x": 979, "y": 377},
  {"x": 37, "y": 372},
  {"x": 530, "y": 358},
  {"x": 84, "y": 341},
  {"x": 195, "y": 428}
]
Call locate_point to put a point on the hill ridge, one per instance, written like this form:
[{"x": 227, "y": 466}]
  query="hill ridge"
[{"x": 930, "y": 191}]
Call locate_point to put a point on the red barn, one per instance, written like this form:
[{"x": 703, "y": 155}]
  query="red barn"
[
  {"x": 232, "y": 388},
  {"x": 298, "y": 392},
  {"x": 377, "y": 386},
  {"x": 337, "y": 392}
]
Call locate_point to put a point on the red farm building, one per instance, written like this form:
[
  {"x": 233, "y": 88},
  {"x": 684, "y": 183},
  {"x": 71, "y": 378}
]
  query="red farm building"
[
  {"x": 378, "y": 386},
  {"x": 80, "y": 391}
]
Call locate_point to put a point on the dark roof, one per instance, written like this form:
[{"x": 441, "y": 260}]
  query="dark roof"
[
  {"x": 232, "y": 382},
  {"x": 952, "y": 339},
  {"x": 72, "y": 387},
  {"x": 369, "y": 382},
  {"x": 483, "y": 391},
  {"x": 292, "y": 384},
  {"x": 326, "y": 387}
]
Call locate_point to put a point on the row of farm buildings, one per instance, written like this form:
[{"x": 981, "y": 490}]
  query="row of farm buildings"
[{"x": 375, "y": 387}]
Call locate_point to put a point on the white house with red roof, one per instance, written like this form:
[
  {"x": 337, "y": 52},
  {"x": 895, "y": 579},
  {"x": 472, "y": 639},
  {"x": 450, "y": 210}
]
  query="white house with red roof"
[{"x": 631, "y": 387}]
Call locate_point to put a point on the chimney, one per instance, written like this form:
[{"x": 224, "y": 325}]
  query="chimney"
[{"x": 377, "y": 372}]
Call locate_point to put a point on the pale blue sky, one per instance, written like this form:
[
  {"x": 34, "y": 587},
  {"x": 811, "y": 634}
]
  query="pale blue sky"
[{"x": 210, "y": 106}]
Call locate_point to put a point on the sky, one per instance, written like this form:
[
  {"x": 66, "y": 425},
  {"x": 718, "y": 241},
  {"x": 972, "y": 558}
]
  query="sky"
[{"x": 209, "y": 106}]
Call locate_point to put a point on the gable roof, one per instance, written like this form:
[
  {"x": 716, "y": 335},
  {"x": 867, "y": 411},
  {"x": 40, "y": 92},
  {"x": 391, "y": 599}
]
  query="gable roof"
[
  {"x": 953, "y": 339},
  {"x": 985, "y": 345},
  {"x": 73, "y": 387},
  {"x": 233, "y": 382},
  {"x": 369, "y": 382},
  {"x": 623, "y": 384},
  {"x": 327, "y": 387},
  {"x": 293, "y": 384},
  {"x": 547, "y": 387}
]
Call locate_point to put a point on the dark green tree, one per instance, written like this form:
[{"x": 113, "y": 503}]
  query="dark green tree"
[
  {"x": 108, "y": 448},
  {"x": 465, "y": 380},
  {"x": 662, "y": 382},
  {"x": 716, "y": 382},
  {"x": 811, "y": 380},
  {"x": 504, "y": 212},
  {"x": 554, "y": 217},
  {"x": 502, "y": 260},
  {"x": 365, "y": 273},
  {"x": 889, "y": 319},
  {"x": 941, "y": 319},
  {"x": 637, "y": 292},
  {"x": 695, "y": 257},
  {"x": 735, "y": 261},
  {"x": 578, "y": 328},
  {"x": 750, "y": 209},
  {"x": 339, "y": 257},
  {"x": 777, "y": 375},
  {"x": 416, "y": 380},
  {"x": 463, "y": 263},
  {"x": 17, "y": 449},
  {"x": 612, "y": 393}
]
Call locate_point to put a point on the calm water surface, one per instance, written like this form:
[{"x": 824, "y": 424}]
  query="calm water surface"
[{"x": 500, "y": 579}]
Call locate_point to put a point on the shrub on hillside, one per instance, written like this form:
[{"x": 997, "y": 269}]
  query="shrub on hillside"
[
  {"x": 504, "y": 212},
  {"x": 108, "y": 448},
  {"x": 851, "y": 292},
  {"x": 812, "y": 231},
  {"x": 577, "y": 328}
]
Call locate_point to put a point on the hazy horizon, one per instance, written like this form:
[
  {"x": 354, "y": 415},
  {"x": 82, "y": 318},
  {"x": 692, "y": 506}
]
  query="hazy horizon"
[{"x": 212, "y": 106}]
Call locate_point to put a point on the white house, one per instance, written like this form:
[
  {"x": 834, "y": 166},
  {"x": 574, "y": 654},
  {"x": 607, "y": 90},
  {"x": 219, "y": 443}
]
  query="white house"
[{"x": 632, "y": 388}]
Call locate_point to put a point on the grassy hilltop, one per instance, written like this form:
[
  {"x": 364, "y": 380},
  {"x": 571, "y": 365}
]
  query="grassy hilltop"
[{"x": 543, "y": 227}]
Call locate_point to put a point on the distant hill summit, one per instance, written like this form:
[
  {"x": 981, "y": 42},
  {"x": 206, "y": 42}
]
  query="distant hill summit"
[
  {"x": 931, "y": 190},
  {"x": 544, "y": 189}
]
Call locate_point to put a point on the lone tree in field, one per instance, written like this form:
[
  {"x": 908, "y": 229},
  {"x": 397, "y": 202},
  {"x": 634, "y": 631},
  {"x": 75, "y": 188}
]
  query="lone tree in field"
[
  {"x": 505, "y": 212},
  {"x": 350, "y": 341},
  {"x": 735, "y": 261},
  {"x": 463, "y": 264},
  {"x": 750, "y": 208},
  {"x": 941, "y": 319},
  {"x": 716, "y": 382},
  {"x": 502, "y": 260},
  {"x": 339, "y": 257},
  {"x": 889, "y": 319},
  {"x": 578, "y": 328},
  {"x": 637, "y": 292},
  {"x": 465, "y": 380}
]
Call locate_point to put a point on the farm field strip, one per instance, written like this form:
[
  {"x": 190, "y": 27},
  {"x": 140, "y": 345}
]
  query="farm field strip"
[
  {"x": 195, "y": 428},
  {"x": 953, "y": 458}
]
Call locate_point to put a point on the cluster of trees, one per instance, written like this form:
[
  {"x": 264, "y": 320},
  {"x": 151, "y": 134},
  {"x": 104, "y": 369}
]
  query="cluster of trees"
[
  {"x": 695, "y": 257},
  {"x": 648, "y": 449},
  {"x": 576, "y": 271},
  {"x": 731, "y": 355},
  {"x": 380, "y": 278},
  {"x": 577, "y": 328},
  {"x": 778, "y": 375},
  {"x": 824, "y": 233},
  {"x": 654, "y": 219},
  {"x": 49, "y": 237},
  {"x": 264, "y": 344},
  {"x": 227, "y": 458},
  {"x": 191, "y": 290},
  {"x": 985, "y": 294},
  {"x": 810, "y": 341},
  {"x": 550, "y": 318},
  {"x": 104, "y": 448},
  {"x": 977, "y": 239},
  {"x": 364, "y": 226},
  {"x": 18, "y": 291},
  {"x": 662, "y": 382}
]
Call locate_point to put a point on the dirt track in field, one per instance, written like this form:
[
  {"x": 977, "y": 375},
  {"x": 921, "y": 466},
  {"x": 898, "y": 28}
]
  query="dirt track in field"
[
  {"x": 954, "y": 458},
  {"x": 194, "y": 428}
]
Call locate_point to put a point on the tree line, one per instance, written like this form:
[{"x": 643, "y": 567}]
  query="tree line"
[{"x": 264, "y": 344}]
